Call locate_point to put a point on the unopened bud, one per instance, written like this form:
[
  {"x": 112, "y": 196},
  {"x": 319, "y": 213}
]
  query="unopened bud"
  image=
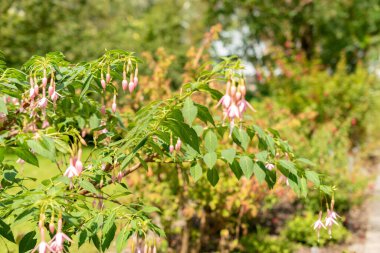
[
  {"x": 178, "y": 145},
  {"x": 103, "y": 82},
  {"x": 51, "y": 227},
  {"x": 171, "y": 148},
  {"x": 124, "y": 84},
  {"x": 108, "y": 77}
]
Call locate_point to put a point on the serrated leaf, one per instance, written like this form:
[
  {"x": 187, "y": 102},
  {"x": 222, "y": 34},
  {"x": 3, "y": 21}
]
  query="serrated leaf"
[
  {"x": 246, "y": 165},
  {"x": 229, "y": 155},
  {"x": 82, "y": 238},
  {"x": 88, "y": 186},
  {"x": 288, "y": 165},
  {"x": 259, "y": 173},
  {"x": 313, "y": 177},
  {"x": 26, "y": 155},
  {"x": 196, "y": 172},
  {"x": 244, "y": 139},
  {"x": 212, "y": 176},
  {"x": 94, "y": 121},
  {"x": 270, "y": 144},
  {"x": 62, "y": 146},
  {"x": 189, "y": 111},
  {"x": 262, "y": 156},
  {"x": 210, "y": 159},
  {"x": 38, "y": 148},
  {"x": 27, "y": 242},
  {"x": 326, "y": 189},
  {"x": 108, "y": 237},
  {"x": 211, "y": 141},
  {"x": 204, "y": 114},
  {"x": 235, "y": 167},
  {"x": 198, "y": 129}
]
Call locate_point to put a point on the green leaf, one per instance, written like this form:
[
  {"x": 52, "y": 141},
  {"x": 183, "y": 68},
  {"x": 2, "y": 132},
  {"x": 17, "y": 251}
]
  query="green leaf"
[
  {"x": 262, "y": 156},
  {"x": 306, "y": 162},
  {"x": 86, "y": 85},
  {"x": 26, "y": 155},
  {"x": 38, "y": 148},
  {"x": 2, "y": 151},
  {"x": 198, "y": 129},
  {"x": 235, "y": 167},
  {"x": 62, "y": 146},
  {"x": 210, "y": 159},
  {"x": 204, "y": 114},
  {"x": 212, "y": 176},
  {"x": 196, "y": 172},
  {"x": 121, "y": 240},
  {"x": 326, "y": 189},
  {"x": 6, "y": 232},
  {"x": 184, "y": 131},
  {"x": 259, "y": 173},
  {"x": 270, "y": 143},
  {"x": 27, "y": 242},
  {"x": 189, "y": 111},
  {"x": 94, "y": 121},
  {"x": 82, "y": 238},
  {"x": 88, "y": 186},
  {"x": 246, "y": 165},
  {"x": 229, "y": 155},
  {"x": 3, "y": 106},
  {"x": 108, "y": 237},
  {"x": 313, "y": 177},
  {"x": 150, "y": 209},
  {"x": 244, "y": 139},
  {"x": 288, "y": 165},
  {"x": 211, "y": 141}
]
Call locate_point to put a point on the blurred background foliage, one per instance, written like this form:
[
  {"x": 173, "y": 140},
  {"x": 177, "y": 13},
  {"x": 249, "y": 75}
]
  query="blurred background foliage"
[{"x": 313, "y": 76}]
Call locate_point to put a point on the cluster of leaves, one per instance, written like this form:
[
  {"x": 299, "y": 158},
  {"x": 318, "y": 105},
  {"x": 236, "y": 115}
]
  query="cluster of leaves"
[{"x": 122, "y": 149}]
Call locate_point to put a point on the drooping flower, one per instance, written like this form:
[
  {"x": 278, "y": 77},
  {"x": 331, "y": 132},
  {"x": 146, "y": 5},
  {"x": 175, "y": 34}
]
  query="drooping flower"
[
  {"x": 78, "y": 163},
  {"x": 319, "y": 224},
  {"x": 71, "y": 171},
  {"x": 171, "y": 148},
  {"x": 43, "y": 102},
  {"x": 113, "y": 107},
  {"x": 330, "y": 221},
  {"x": 43, "y": 246},
  {"x": 59, "y": 238}
]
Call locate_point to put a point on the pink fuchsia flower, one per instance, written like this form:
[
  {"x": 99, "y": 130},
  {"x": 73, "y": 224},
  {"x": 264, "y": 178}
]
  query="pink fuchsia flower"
[
  {"x": 71, "y": 171},
  {"x": 36, "y": 89},
  {"x": 178, "y": 145},
  {"x": 43, "y": 102},
  {"x": 43, "y": 246},
  {"x": 131, "y": 86},
  {"x": 44, "y": 82},
  {"x": 225, "y": 101},
  {"x": 45, "y": 124},
  {"x": 171, "y": 148},
  {"x": 319, "y": 224},
  {"x": 32, "y": 93},
  {"x": 59, "y": 238},
  {"x": 135, "y": 80},
  {"x": 51, "y": 90},
  {"x": 233, "y": 112},
  {"x": 269, "y": 166},
  {"x": 331, "y": 220}
]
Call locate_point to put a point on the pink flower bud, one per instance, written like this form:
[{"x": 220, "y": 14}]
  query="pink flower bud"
[
  {"x": 103, "y": 109},
  {"x": 44, "y": 81},
  {"x": 32, "y": 94},
  {"x": 79, "y": 166},
  {"x": 178, "y": 145},
  {"x": 243, "y": 90},
  {"x": 135, "y": 80},
  {"x": 124, "y": 84},
  {"x": 131, "y": 86},
  {"x": 108, "y": 77},
  {"x": 54, "y": 96},
  {"x": 119, "y": 176},
  {"x": 233, "y": 91},
  {"x": 51, "y": 227},
  {"x": 113, "y": 107},
  {"x": 171, "y": 148},
  {"x": 103, "y": 82},
  {"x": 238, "y": 95},
  {"x": 51, "y": 90},
  {"x": 45, "y": 124},
  {"x": 36, "y": 89}
]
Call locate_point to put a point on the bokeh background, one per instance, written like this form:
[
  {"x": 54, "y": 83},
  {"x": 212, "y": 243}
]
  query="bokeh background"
[{"x": 313, "y": 73}]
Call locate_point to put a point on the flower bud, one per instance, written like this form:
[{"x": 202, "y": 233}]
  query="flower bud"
[
  {"x": 243, "y": 90},
  {"x": 108, "y": 77},
  {"x": 32, "y": 94},
  {"x": 51, "y": 227},
  {"x": 135, "y": 80},
  {"x": 103, "y": 109},
  {"x": 119, "y": 176},
  {"x": 238, "y": 95},
  {"x": 171, "y": 148},
  {"x": 178, "y": 145},
  {"x": 124, "y": 84},
  {"x": 43, "y": 102},
  {"x": 54, "y": 96},
  {"x": 103, "y": 82},
  {"x": 36, "y": 89},
  {"x": 233, "y": 91},
  {"x": 45, "y": 124},
  {"x": 113, "y": 107},
  {"x": 44, "y": 81}
]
